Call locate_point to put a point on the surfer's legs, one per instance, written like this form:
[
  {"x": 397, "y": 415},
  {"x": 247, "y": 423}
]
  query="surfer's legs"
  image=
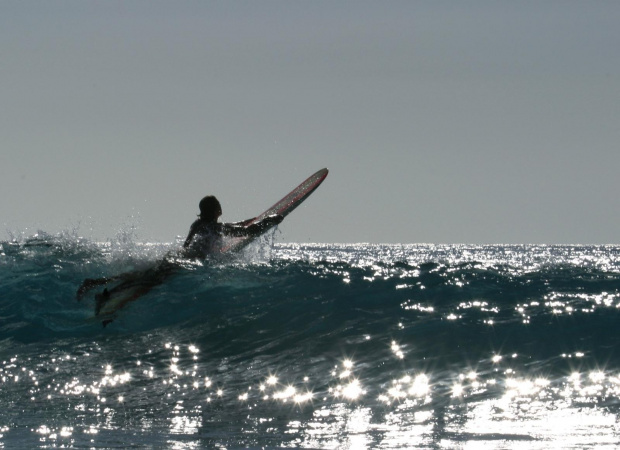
[
  {"x": 133, "y": 286},
  {"x": 90, "y": 283}
]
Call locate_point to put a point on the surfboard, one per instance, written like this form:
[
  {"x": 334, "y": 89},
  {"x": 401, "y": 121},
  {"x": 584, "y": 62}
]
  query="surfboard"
[{"x": 283, "y": 207}]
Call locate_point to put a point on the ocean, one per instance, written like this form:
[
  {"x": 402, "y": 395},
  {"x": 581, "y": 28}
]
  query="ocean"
[{"x": 356, "y": 346}]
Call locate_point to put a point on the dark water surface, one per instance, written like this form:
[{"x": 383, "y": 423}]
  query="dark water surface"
[{"x": 314, "y": 346}]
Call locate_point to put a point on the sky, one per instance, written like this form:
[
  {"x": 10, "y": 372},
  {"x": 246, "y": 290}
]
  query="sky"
[{"x": 440, "y": 121}]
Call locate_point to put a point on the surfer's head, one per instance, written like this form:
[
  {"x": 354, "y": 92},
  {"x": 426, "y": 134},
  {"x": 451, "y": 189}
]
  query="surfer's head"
[{"x": 210, "y": 208}]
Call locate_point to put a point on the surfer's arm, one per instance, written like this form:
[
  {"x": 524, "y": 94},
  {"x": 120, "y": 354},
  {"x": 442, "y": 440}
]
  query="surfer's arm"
[
  {"x": 233, "y": 229},
  {"x": 190, "y": 236},
  {"x": 243, "y": 223},
  {"x": 188, "y": 239}
]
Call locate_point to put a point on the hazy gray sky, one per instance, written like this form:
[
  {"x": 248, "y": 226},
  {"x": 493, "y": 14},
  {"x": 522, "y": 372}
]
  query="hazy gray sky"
[{"x": 442, "y": 122}]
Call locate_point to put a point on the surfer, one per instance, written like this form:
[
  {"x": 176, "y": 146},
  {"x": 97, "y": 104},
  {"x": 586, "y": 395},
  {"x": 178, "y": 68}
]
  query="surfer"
[
  {"x": 205, "y": 238},
  {"x": 206, "y": 233}
]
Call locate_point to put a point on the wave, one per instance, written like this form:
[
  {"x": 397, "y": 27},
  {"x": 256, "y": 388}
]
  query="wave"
[
  {"x": 442, "y": 298},
  {"x": 313, "y": 345}
]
